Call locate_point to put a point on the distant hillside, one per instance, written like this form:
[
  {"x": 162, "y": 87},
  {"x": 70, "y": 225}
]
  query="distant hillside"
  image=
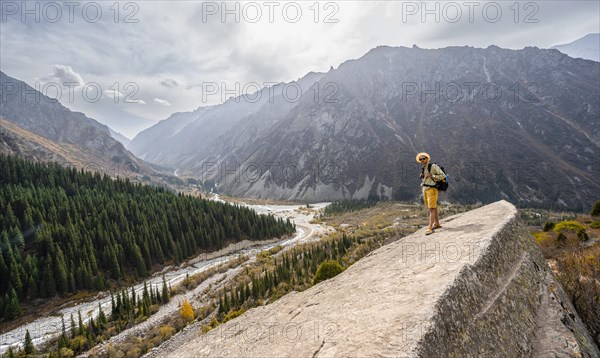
[
  {"x": 17, "y": 141},
  {"x": 520, "y": 125},
  {"x": 587, "y": 47},
  {"x": 182, "y": 139},
  {"x": 41, "y": 128},
  {"x": 121, "y": 138}
]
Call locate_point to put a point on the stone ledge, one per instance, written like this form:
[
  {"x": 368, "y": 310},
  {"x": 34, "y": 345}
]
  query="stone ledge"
[{"x": 474, "y": 288}]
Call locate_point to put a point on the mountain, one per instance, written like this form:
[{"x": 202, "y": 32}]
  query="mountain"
[
  {"x": 183, "y": 138},
  {"x": 38, "y": 127},
  {"x": 15, "y": 140},
  {"x": 121, "y": 138},
  {"x": 520, "y": 125},
  {"x": 144, "y": 144},
  {"x": 587, "y": 47}
]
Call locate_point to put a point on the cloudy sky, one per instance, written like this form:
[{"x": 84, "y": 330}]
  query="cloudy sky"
[{"x": 130, "y": 64}]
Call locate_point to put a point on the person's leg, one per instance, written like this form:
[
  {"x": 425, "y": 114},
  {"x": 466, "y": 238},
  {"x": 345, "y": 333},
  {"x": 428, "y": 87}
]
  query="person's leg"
[
  {"x": 429, "y": 203},
  {"x": 436, "y": 220},
  {"x": 431, "y": 217}
]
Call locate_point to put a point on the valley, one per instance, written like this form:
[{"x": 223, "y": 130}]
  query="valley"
[
  {"x": 177, "y": 176},
  {"x": 45, "y": 328}
]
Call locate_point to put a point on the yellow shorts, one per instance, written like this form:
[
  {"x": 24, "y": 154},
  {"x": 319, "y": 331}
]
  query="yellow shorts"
[{"x": 430, "y": 196}]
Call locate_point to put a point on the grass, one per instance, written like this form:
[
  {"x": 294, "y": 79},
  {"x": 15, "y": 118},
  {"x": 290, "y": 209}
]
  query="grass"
[{"x": 540, "y": 237}]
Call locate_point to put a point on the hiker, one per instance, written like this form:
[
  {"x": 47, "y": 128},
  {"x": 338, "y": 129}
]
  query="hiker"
[{"x": 429, "y": 175}]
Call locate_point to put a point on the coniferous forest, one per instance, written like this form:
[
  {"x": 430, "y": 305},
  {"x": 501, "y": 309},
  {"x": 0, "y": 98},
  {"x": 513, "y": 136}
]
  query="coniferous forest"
[{"x": 63, "y": 230}]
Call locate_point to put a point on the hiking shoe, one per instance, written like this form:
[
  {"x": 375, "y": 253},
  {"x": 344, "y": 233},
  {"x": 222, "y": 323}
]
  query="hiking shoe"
[{"x": 429, "y": 231}]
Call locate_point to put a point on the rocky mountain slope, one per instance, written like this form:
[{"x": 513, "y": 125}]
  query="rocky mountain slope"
[
  {"x": 520, "y": 125},
  {"x": 37, "y": 127},
  {"x": 120, "y": 137},
  {"x": 479, "y": 287},
  {"x": 180, "y": 140}
]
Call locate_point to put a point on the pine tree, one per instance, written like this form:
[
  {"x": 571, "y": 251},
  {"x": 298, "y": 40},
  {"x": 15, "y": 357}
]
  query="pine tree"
[
  {"x": 119, "y": 305},
  {"x": 73, "y": 328},
  {"x": 125, "y": 302},
  {"x": 133, "y": 297},
  {"x": 255, "y": 292},
  {"x": 113, "y": 307},
  {"x": 145, "y": 294},
  {"x": 166, "y": 296},
  {"x": 102, "y": 321},
  {"x": 12, "y": 308},
  {"x": 152, "y": 295},
  {"x": 15, "y": 275},
  {"x": 81, "y": 328},
  {"x": 157, "y": 295},
  {"x": 91, "y": 330},
  {"x": 221, "y": 306},
  {"x": 60, "y": 272},
  {"x": 28, "y": 347},
  {"x": 62, "y": 341},
  {"x": 226, "y": 302},
  {"x": 49, "y": 284},
  {"x": 115, "y": 268}
]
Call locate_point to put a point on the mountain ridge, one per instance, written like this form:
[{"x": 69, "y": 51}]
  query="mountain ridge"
[
  {"x": 76, "y": 139},
  {"x": 476, "y": 110},
  {"x": 587, "y": 47}
]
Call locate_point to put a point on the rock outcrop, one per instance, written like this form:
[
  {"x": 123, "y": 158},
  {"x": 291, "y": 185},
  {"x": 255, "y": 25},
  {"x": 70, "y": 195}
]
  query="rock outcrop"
[{"x": 478, "y": 287}]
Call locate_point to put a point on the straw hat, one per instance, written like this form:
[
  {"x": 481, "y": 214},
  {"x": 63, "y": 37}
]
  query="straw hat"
[{"x": 423, "y": 154}]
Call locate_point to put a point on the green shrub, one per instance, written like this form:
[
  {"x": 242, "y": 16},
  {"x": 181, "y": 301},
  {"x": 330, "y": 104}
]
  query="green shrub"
[
  {"x": 596, "y": 209},
  {"x": 574, "y": 226},
  {"x": 233, "y": 314},
  {"x": 540, "y": 237},
  {"x": 568, "y": 225},
  {"x": 582, "y": 235},
  {"x": 549, "y": 225},
  {"x": 66, "y": 352},
  {"x": 166, "y": 331},
  {"x": 595, "y": 225},
  {"x": 327, "y": 270}
]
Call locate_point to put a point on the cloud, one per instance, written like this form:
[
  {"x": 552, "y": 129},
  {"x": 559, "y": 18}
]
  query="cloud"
[
  {"x": 171, "y": 47},
  {"x": 169, "y": 83},
  {"x": 62, "y": 75},
  {"x": 162, "y": 102},
  {"x": 113, "y": 94},
  {"x": 117, "y": 96}
]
